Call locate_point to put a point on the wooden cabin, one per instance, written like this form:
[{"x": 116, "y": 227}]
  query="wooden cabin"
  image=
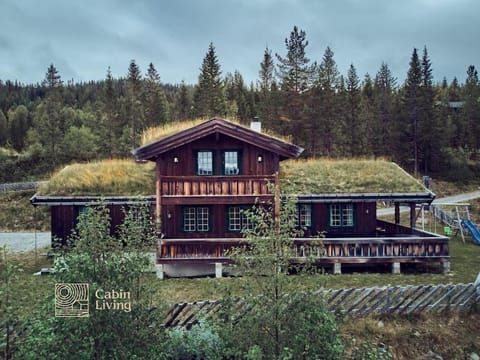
[{"x": 205, "y": 175}]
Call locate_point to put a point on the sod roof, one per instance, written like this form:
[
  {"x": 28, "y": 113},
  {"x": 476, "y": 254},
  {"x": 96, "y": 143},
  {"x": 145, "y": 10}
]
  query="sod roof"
[
  {"x": 102, "y": 178},
  {"x": 325, "y": 176},
  {"x": 319, "y": 176},
  {"x": 160, "y": 132}
]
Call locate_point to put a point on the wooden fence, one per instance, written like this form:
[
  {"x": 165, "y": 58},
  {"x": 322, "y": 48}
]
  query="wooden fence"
[
  {"x": 357, "y": 302},
  {"x": 20, "y": 186}
]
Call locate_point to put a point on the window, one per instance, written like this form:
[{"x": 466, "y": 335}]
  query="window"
[
  {"x": 341, "y": 215},
  {"x": 237, "y": 219},
  {"x": 231, "y": 163},
  {"x": 205, "y": 163},
  {"x": 196, "y": 219},
  {"x": 305, "y": 215}
]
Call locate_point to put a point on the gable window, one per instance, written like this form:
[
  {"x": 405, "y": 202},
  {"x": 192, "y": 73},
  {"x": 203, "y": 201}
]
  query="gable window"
[
  {"x": 341, "y": 215},
  {"x": 196, "y": 219},
  {"x": 231, "y": 163},
  {"x": 204, "y": 163},
  {"x": 305, "y": 215},
  {"x": 237, "y": 219}
]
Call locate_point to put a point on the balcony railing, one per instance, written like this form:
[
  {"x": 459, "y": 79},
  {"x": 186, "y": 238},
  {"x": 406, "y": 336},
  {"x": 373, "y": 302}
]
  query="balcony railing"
[{"x": 215, "y": 185}]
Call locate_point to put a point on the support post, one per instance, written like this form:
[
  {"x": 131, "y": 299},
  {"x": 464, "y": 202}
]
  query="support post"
[
  {"x": 158, "y": 195},
  {"x": 337, "y": 268},
  {"x": 445, "y": 267},
  {"x": 476, "y": 285},
  {"x": 396, "y": 268},
  {"x": 412, "y": 215},
  {"x": 159, "y": 271},
  {"x": 397, "y": 213},
  {"x": 218, "y": 270}
]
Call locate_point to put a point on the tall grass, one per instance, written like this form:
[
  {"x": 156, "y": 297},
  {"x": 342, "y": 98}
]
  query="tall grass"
[
  {"x": 319, "y": 176},
  {"x": 102, "y": 178}
]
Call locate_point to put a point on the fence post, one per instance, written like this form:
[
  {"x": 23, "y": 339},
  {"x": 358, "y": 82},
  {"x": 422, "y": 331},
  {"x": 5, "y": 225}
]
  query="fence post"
[{"x": 476, "y": 285}]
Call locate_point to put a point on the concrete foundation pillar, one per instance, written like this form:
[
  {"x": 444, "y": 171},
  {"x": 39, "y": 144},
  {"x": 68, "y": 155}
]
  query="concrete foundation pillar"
[
  {"x": 218, "y": 270},
  {"x": 445, "y": 267},
  {"x": 396, "y": 268},
  {"x": 337, "y": 268},
  {"x": 159, "y": 271}
]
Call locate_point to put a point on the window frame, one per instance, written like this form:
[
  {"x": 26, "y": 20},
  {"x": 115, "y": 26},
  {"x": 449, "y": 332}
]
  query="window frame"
[
  {"x": 196, "y": 219},
  {"x": 343, "y": 218},
  {"x": 239, "y": 162},
  {"x": 196, "y": 159},
  {"x": 244, "y": 223},
  {"x": 299, "y": 217}
]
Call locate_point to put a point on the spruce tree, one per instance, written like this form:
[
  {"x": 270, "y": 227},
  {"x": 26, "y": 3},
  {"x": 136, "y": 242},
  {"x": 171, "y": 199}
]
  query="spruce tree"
[
  {"x": 325, "y": 119},
  {"x": 384, "y": 124},
  {"x": 47, "y": 119},
  {"x": 430, "y": 136},
  {"x": 295, "y": 75},
  {"x": 471, "y": 110},
  {"x": 353, "y": 133},
  {"x": 135, "y": 111},
  {"x": 183, "y": 103},
  {"x": 265, "y": 83},
  {"x": 156, "y": 102},
  {"x": 367, "y": 114},
  {"x": 236, "y": 96},
  {"x": 209, "y": 97},
  {"x": 412, "y": 108},
  {"x": 112, "y": 128}
]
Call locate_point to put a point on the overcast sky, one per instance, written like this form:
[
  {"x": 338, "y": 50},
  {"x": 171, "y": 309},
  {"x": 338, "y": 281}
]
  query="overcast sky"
[{"x": 83, "y": 38}]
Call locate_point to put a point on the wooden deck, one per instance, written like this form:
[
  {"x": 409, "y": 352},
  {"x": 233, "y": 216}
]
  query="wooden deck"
[{"x": 413, "y": 246}]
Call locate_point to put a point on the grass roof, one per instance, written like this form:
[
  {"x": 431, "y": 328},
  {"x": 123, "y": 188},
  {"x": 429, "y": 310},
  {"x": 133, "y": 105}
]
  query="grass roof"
[
  {"x": 313, "y": 176},
  {"x": 102, "y": 178},
  {"x": 160, "y": 132},
  {"x": 324, "y": 176}
]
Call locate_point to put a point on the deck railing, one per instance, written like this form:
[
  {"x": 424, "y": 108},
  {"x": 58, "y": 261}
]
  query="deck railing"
[
  {"x": 215, "y": 185},
  {"x": 355, "y": 250}
]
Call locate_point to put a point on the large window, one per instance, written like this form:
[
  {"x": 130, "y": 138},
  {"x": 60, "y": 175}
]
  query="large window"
[
  {"x": 305, "y": 215},
  {"x": 237, "y": 219},
  {"x": 204, "y": 163},
  {"x": 196, "y": 219},
  {"x": 341, "y": 215},
  {"x": 231, "y": 163}
]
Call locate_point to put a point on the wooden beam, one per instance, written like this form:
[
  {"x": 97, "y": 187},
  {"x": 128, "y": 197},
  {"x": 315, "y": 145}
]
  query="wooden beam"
[
  {"x": 412, "y": 215},
  {"x": 397, "y": 213},
  {"x": 158, "y": 193}
]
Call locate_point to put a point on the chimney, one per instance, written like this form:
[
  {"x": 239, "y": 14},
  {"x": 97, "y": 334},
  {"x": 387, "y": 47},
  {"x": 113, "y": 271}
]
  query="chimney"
[{"x": 256, "y": 125}]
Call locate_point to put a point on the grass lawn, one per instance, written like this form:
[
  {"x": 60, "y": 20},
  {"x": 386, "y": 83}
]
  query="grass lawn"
[
  {"x": 416, "y": 336},
  {"x": 465, "y": 266}
]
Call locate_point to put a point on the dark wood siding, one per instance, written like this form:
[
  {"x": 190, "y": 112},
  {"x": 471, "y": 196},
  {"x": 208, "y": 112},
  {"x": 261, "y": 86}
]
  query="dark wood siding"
[
  {"x": 64, "y": 218},
  {"x": 172, "y": 223},
  {"x": 365, "y": 221},
  {"x": 63, "y": 221},
  {"x": 218, "y": 143}
]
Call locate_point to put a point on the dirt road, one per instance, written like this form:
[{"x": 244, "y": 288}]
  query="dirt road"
[{"x": 21, "y": 242}]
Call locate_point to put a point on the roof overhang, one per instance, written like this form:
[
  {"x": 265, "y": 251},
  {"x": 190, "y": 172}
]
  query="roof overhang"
[
  {"x": 90, "y": 200},
  {"x": 418, "y": 198},
  {"x": 153, "y": 150}
]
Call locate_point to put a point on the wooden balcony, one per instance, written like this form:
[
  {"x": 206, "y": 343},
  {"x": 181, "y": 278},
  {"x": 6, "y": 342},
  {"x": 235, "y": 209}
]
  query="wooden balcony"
[{"x": 216, "y": 185}]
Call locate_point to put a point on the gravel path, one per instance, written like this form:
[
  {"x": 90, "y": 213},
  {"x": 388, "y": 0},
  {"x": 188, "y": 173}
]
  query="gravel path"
[{"x": 21, "y": 242}]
